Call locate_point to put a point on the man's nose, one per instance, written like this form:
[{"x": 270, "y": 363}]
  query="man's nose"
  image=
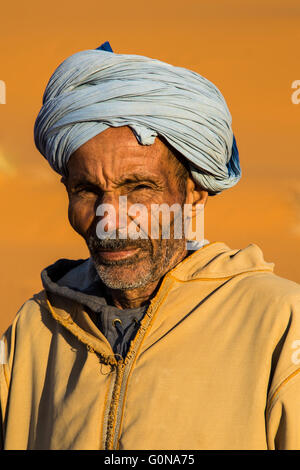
[{"x": 113, "y": 208}]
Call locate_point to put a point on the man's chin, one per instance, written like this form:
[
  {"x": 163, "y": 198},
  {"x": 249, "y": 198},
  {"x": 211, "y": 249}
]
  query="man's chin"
[{"x": 123, "y": 276}]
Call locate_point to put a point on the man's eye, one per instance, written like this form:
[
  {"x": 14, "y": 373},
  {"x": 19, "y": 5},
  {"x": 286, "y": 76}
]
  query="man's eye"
[
  {"x": 142, "y": 186},
  {"x": 85, "y": 190}
]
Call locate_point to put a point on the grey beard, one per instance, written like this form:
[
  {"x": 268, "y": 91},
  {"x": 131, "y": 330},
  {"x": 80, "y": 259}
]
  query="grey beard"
[
  {"x": 112, "y": 282},
  {"x": 151, "y": 269}
]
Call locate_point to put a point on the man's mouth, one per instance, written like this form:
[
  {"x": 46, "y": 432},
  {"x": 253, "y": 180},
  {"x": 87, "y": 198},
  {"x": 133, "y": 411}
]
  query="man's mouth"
[{"x": 115, "y": 255}]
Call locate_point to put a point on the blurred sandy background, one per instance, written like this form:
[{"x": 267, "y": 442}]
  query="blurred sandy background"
[{"x": 249, "y": 49}]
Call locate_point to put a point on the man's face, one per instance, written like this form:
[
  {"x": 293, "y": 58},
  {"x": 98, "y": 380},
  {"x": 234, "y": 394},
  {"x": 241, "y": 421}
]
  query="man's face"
[{"x": 111, "y": 165}]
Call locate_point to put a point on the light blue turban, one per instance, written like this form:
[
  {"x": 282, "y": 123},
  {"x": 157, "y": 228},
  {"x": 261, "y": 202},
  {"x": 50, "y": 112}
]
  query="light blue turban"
[{"x": 96, "y": 89}]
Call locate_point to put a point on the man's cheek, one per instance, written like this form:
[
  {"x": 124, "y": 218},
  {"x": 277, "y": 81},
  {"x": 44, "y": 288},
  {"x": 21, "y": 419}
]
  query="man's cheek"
[{"x": 81, "y": 216}]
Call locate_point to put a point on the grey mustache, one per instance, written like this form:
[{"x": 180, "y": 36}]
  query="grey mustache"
[{"x": 116, "y": 244}]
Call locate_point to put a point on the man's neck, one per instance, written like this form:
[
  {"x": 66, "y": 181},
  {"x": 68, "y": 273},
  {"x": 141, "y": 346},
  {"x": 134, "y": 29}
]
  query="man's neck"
[{"x": 133, "y": 298}]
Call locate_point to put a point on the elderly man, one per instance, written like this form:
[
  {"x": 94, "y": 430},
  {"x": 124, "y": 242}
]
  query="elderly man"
[{"x": 153, "y": 342}]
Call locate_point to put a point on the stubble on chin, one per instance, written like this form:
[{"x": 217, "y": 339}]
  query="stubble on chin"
[
  {"x": 139, "y": 271},
  {"x": 143, "y": 268}
]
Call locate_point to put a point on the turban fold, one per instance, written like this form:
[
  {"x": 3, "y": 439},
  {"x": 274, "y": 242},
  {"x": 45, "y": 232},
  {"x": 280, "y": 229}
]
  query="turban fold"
[{"x": 96, "y": 89}]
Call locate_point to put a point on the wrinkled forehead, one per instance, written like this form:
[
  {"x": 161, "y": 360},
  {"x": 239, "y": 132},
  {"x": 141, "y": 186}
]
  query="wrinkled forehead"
[{"x": 115, "y": 152}]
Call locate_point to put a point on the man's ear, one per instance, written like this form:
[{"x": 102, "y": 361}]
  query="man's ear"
[
  {"x": 197, "y": 198},
  {"x": 195, "y": 194},
  {"x": 63, "y": 180}
]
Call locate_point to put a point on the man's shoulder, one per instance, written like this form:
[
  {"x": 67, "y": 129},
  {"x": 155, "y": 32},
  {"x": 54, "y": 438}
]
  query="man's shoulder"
[
  {"x": 34, "y": 305},
  {"x": 270, "y": 286},
  {"x": 271, "y": 300},
  {"x": 242, "y": 270},
  {"x": 31, "y": 329},
  {"x": 33, "y": 316}
]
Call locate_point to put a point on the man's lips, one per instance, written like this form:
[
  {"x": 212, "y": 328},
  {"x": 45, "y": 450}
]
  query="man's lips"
[{"x": 113, "y": 255}]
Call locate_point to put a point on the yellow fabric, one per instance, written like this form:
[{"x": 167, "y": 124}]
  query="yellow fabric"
[{"x": 213, "y": 366}]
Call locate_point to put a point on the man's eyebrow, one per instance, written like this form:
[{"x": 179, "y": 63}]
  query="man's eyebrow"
[
  {"x": 125, "y": 179},
  {"x": 137, "y": 178},
  {"x": 83, "y": 180}
]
